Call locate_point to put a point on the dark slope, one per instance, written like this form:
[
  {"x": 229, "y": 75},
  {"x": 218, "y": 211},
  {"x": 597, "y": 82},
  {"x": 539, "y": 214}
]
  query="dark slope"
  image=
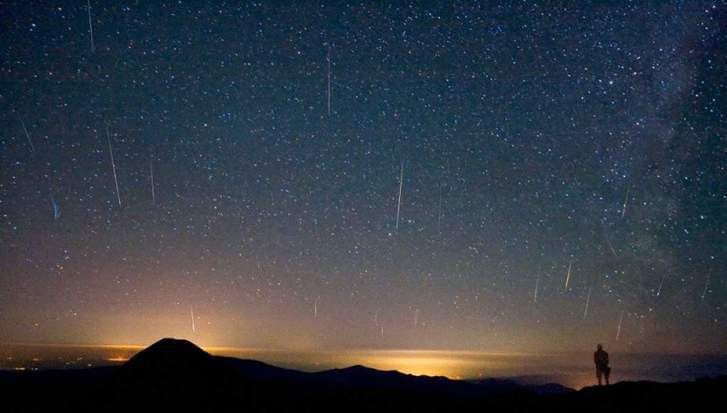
[
  {"x": 704, "y": 395},
  {"x": 361, "y": 375},
  {"x": 169, "y": 353},
  {"x": 182, "y": 357},
  {"x": 177, "y": 376},
  {"x": 259, "y": 371},
  {"x": 502, "y": 385}
]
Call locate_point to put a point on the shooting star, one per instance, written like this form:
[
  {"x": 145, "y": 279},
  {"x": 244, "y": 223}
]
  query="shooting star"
[
  {"x": 27, "y": 135},
  {"x": 706, "y": 284},
  {"x": 191, "y": 313},
  {"x": 113, "y": 164},
  {"x": 658, "y": 291},
  {"x": 613, "y": 250},
  {"x": 567, "y": 275},
  {"x": 439, "y": 211},
  {"x": 56, "y": 208},
  {"x": 151, "y": 175},
  {"x": 401, "y": 188},
  {"x": 90, "y": 25},
  {"x": 626, "y": 201},
  {"x": 620, "y": 323},
  {"x": 535, "y": 293},
  {"x": 329, "y": 80},
  {"x": 588, "y": 303},
  {"x": 315, "y": 308}
]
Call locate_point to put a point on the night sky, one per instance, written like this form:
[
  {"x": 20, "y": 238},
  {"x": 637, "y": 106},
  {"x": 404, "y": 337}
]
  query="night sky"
[{"x": 490, "y": 177}]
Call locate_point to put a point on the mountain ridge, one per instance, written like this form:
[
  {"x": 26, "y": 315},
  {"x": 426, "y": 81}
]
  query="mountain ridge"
[{"x": 176, "y": 375}]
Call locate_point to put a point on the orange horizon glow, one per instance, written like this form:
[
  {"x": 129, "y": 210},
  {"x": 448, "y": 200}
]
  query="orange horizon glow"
[
  {"x": 220, "y": 350},
  {"x": 570, "y": 369}
]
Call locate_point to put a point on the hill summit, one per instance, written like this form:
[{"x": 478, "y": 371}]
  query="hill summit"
[{"x": 167, "y": 353}]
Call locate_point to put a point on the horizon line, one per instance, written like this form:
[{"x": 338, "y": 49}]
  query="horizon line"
[{"x": 131, "y": 346}]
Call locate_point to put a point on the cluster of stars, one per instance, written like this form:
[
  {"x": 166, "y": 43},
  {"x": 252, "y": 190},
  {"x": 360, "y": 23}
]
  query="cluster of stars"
[{"x": 452, "y": 176}]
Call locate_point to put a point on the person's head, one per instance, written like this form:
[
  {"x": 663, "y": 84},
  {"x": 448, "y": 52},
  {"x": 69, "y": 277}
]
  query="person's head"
[{"x": 599, "y": 347}]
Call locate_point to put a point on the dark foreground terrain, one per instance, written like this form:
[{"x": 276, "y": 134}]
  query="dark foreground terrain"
[{"x": 176, "y": 376}]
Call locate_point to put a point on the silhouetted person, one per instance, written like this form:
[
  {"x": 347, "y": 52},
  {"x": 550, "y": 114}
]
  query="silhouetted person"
[{"x": 600, "y": 357}]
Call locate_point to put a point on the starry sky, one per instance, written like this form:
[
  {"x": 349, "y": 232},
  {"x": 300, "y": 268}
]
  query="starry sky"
[{"x": 495, "y": 176}]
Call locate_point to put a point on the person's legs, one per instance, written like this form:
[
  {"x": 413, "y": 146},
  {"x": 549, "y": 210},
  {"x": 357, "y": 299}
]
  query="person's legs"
[
  {"x": 598, "y": 375},
  {"x": 607, "y": 375}
]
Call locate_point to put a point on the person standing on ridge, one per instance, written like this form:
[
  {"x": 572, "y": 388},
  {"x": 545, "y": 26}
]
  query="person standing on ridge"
[{"x": 600, "y": 357}]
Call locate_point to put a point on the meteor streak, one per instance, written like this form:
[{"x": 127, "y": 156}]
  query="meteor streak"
[
  {"x": 620, "y": 323},
  {"x": 191, "y": 313},
  {"x": 113, "y": 164},
  {"x": 706, "y": 284},
  {"x": 401, "y": 188},
  {"x": 658, "y": 292},
  {"x": 56, "y": 209},
  {"x": 329, "y": 79},
  {"x": 90, "y": 25},
  {"x": 588, "y": 303},
  {"x": 439, "y": 211},
  {"x": 613, "y": 250},
  {"x": 54, "y": 204},
  {"x": 567, "y": 275},
  {"x": 27, "y": 135},
  {"x": 151, "y": 174}
]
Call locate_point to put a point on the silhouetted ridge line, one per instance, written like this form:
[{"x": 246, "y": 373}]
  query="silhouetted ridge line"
[
  {"x": 177, "y": 376},
  {"x": 169, "y": 352}
]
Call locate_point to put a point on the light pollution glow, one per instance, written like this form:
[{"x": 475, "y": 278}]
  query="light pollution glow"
[
  {"x": 570, "y": 369},
  {"x": 451, "y": 364}
]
